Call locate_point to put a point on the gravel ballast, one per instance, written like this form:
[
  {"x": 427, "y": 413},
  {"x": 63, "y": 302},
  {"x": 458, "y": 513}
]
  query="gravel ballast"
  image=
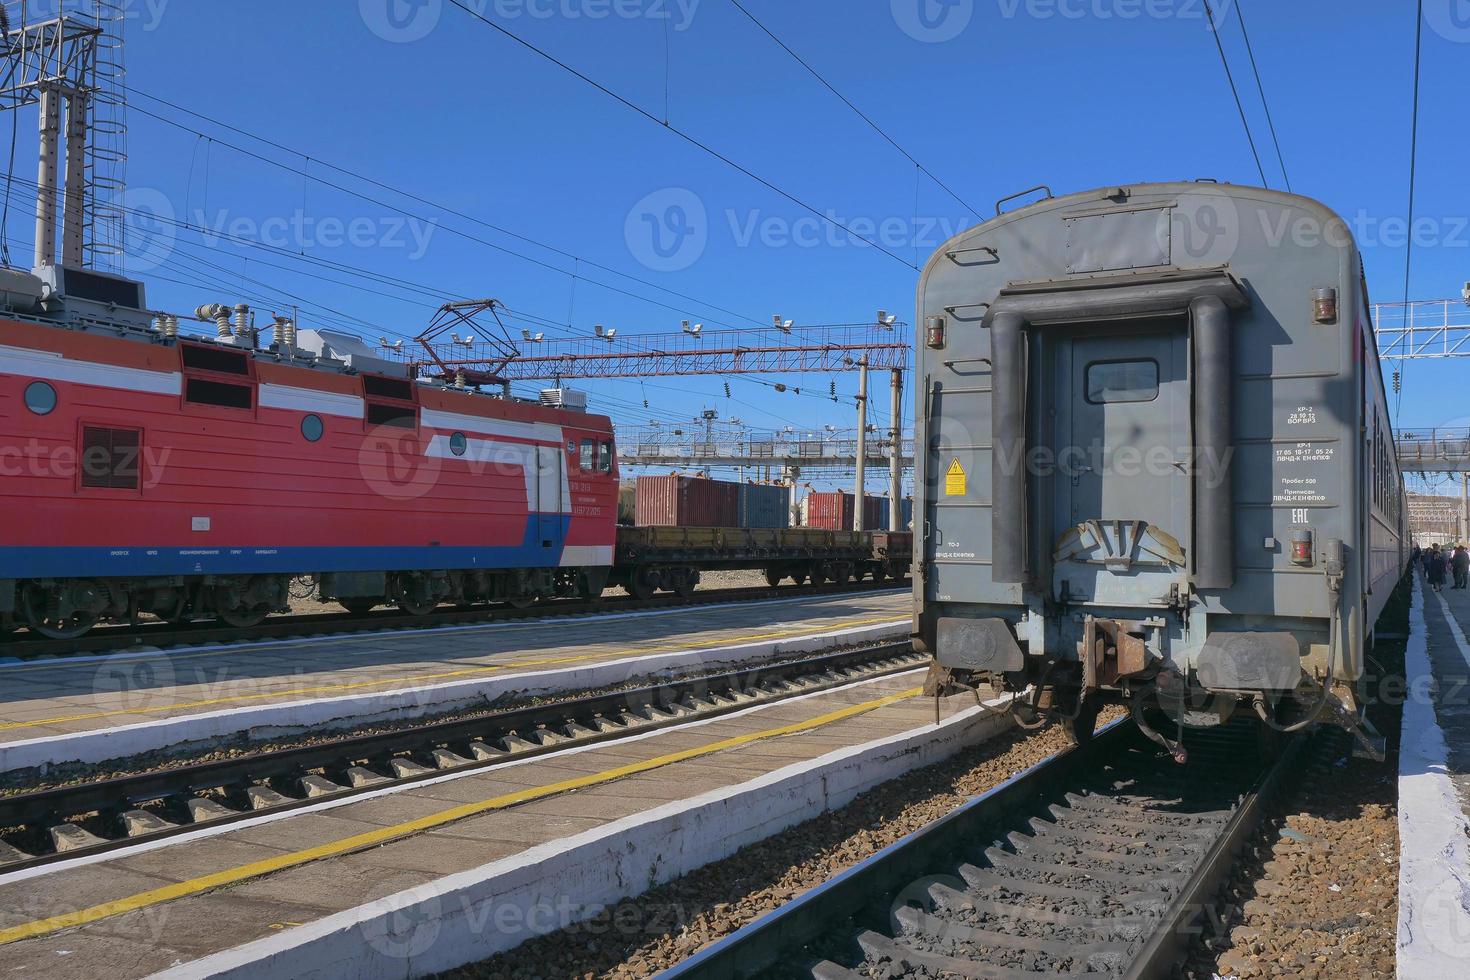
[
  {"x": 665, "y": 925},
  {"x": 1316, "y": 893}
]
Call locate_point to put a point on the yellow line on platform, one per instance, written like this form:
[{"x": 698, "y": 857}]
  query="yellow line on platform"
[
  {"x": 383, "y": 835},
  {"x": 806, "y": 629}
]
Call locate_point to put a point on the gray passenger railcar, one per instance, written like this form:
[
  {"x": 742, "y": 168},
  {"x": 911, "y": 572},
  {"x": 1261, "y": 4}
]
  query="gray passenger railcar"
[{"x": 1159, "y": 465}]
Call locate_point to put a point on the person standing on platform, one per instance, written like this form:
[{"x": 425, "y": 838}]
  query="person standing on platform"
[
  {"x": 1460, "y": 562},
  {"x": 1435, "y": 568}
]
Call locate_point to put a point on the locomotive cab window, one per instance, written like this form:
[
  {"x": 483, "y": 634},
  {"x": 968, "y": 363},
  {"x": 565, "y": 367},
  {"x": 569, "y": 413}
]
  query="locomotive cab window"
[
  {"x": 110, "y": 458},
  {"x": 1122, "y": 381},
  {"x": 607, "y": 457},
  {"x": 589, "y": 454}
]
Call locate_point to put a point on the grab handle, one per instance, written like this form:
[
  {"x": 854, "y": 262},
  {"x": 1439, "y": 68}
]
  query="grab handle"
[{"x": 1029, "y": 190}]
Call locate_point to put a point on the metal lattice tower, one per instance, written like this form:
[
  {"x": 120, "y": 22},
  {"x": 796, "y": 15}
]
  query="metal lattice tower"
[
  {"x": 107, "y": 149},
  {"x": 1422, "y": 329},
  {"x": 65, "y": 57},
  {"x": 764, "y": 350}
]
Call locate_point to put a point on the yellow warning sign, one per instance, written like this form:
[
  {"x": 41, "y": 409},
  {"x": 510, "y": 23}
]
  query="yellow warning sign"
[{"x": 955, "y": 483}]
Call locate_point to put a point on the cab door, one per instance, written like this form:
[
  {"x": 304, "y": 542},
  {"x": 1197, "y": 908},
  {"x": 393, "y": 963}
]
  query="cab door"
[{"x": 550, "y": 496}]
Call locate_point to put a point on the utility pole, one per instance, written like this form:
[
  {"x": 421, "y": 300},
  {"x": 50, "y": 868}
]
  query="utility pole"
[
  {"x": 47, "y": 175},
  {"x": 75, "y": 209},
  {"x": 862, "y": 446},
  {"x": 1464, "y": 506},
  {"x": 895, "y": 435}
]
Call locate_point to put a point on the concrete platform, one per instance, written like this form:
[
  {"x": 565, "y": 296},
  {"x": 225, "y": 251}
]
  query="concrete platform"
[
  {"x": 422, "y": 879},
  {"x": 1434, "y": 790},
  {"x": 90, "y": 709}
]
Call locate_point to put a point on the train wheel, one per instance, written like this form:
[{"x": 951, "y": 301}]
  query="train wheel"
[
  {"x": 415, "y": 606},
  {"x": 686, "y": 583},
  {"x": 799, "y": 579},
  {"x": 519, "y": 602},
  {"x": 773, "y": 577},
  {"x": 358, "y": 607},
  {"x": 841, "y": 574},
  {"x": 1079, "y": 730},
  {"x": 244, "y": 617},
  {"x": 44, "y": 614},
  {"x": 233, "y": 604},
  {"x": 642, "y": 585}
]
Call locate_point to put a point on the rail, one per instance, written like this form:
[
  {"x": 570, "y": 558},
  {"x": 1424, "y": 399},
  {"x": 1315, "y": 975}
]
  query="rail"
[{"x": 946, "y": 900}]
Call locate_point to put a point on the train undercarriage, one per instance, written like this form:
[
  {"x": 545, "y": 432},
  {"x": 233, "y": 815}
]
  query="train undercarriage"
[
  {"x": 1115, "y": 667},
  {"x": 65, "y": 609}
]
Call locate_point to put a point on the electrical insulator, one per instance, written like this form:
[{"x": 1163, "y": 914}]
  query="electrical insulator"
[
  {"x": 1398, "y": 382},
  {"x": 727, "y": 389},
  {"x": 832, "y": 390}
]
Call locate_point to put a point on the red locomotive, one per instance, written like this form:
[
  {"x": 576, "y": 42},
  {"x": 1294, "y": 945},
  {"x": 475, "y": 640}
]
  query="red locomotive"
[{"x": 146, "y": 472}]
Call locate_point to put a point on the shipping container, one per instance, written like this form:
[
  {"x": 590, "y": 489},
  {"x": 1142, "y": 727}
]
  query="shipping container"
[
  {"x": 905, "y": 515},
  {"x": 833, "y": 511},
  {"x": 764, "y": 505},
  {"x": 627, "y": 503},
  {"x": 686, "y": 501}
]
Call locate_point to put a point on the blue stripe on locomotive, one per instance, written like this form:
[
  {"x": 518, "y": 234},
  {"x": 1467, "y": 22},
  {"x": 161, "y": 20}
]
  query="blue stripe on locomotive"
[{"x": 84, "y": 562}]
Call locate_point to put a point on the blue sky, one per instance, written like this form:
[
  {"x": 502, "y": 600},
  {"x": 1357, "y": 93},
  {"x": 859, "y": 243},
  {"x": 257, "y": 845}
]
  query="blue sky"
[{"x": 993, "y": 96}]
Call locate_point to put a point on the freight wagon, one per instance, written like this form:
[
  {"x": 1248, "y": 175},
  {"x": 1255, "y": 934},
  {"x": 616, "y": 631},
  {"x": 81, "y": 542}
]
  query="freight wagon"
[{"x": 650, "y": 559}]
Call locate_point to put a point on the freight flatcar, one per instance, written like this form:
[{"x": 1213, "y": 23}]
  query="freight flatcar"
[
  {"x": 147, "y": 472},
  {"x": 1159, "y": 468},
  {"x": 650, "y": 559}
]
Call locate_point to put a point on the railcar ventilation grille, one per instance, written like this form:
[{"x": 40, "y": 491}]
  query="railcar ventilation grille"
[
  {"x": 217, "y": 393},
  {"x": 216, "y": 359},
  {"x": 395, "y": 415},
  {"x": 398, "y": 389}
]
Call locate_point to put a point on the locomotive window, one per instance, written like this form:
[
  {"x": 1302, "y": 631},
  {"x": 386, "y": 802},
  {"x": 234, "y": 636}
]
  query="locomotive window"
[
  {"x": 1122, "y": 381},
  {"x": 458, "y": 444},
  {"x": 395, "y": 415},
  {"x": 589, "y": 454},
  {"x": 110, "y": 458},
  {"x": 312, "y": 428},
  {"x": 607, "y": 457},
  {"x": 216, "y": 359},
  {"x": 40, "y": 398},
  {"x": 202, "y": 392}
]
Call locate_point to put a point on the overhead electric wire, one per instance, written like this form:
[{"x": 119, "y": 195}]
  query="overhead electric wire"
[
  {"x": 1413, "y": 171},
  {"x": 1240, "y": 106},
  {"x": 358, "y": 175},
  {"x": 688, "y": 138},
  {"x": 1250, "y": 51},
  {"x": 307, "y": 175},
  {"x": 849, "y": 103}
]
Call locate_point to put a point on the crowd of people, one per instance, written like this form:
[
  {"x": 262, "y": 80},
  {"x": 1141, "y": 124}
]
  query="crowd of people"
[{"x": 1442, "y": 562}]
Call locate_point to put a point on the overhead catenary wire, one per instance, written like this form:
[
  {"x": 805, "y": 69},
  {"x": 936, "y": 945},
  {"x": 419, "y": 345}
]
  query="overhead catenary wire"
[
  {"x": 851, "y": 105},
  {"x": 686, "y": 137},
  {"x": 1235, "y": 92},
  {"x": 1413, "y": 170},
  {"x": 305, "y": 174},
  {"x": 1265, "y": 104}
]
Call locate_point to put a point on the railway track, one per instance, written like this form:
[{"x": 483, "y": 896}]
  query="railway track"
[
  {"x": 78, "y": 820},
  {"x": 162, "y": 636},
  {"x": 1103, "y": 860}
]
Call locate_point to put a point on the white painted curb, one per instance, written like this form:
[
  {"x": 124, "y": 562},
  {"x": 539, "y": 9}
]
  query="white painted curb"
[
  {"x": 1434, "y": 860},
  {"x": 466, "y": 917},
  {"x": 325, "y": 714}
]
